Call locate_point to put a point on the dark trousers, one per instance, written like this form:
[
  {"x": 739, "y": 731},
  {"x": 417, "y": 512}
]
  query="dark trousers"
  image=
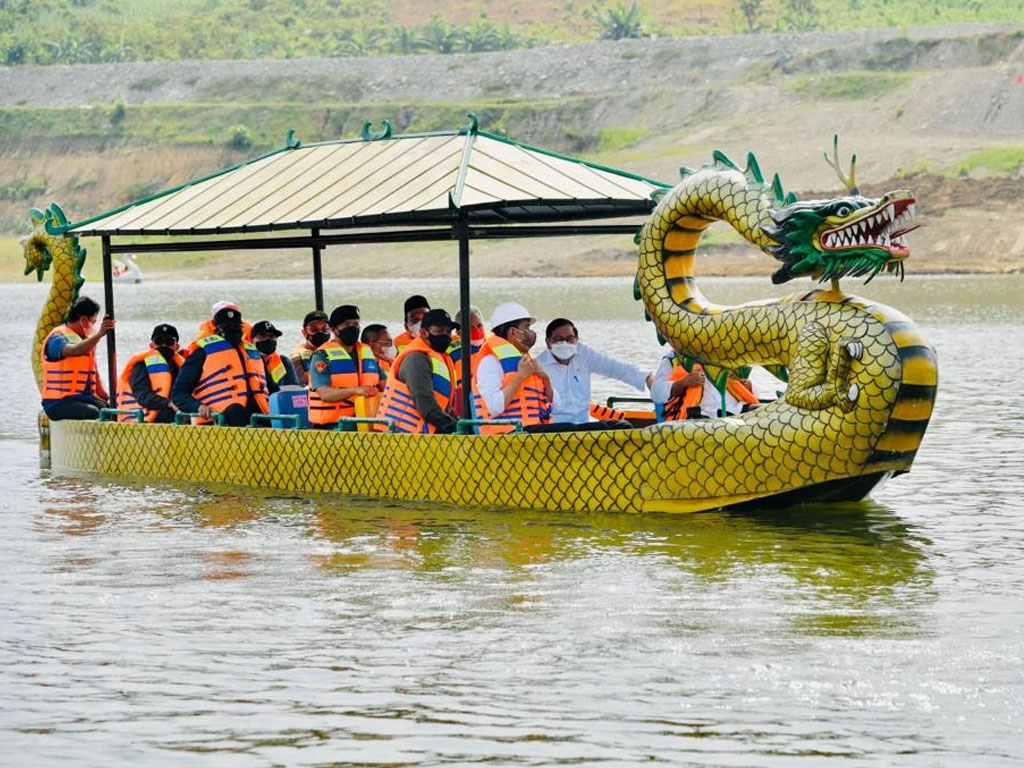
[
  {"x": 166, "y": 416},
  {"x": 76, "y": 410},
  {"x": 564, "y": 426}
]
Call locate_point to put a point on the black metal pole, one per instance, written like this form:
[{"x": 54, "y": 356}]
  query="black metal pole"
[
  {"x": 318, "y": 273},
  {"x": 108, "y": 311},
  {"x": 462, "y": 231}
]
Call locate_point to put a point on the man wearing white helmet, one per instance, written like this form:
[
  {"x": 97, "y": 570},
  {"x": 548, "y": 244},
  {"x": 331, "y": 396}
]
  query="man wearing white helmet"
[{"x": 509, "y": 384}]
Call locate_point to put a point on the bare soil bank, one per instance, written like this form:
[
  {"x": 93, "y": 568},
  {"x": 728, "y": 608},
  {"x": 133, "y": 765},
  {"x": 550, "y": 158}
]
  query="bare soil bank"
[{"x": 917, "y": 106}]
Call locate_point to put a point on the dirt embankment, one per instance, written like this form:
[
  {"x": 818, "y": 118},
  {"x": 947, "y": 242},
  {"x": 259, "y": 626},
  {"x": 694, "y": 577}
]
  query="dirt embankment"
[{"x": 937, "y": 110}]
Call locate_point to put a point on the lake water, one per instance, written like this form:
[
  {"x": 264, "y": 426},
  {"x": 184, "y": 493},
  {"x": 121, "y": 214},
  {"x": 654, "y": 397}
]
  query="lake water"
[{"x": 177, "y": 625}]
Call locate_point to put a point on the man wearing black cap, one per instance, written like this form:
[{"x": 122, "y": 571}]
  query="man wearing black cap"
[
  {"x": 419, "y": 396},
  {"x": 147, "y": 378},
  {"x": 224, "y": 375},
  {"x": 315, "y": 333},
  {"x": 340, "y": 371},
  {"x": 415, "y": 308},
  {"x": 279, "y": 370}
]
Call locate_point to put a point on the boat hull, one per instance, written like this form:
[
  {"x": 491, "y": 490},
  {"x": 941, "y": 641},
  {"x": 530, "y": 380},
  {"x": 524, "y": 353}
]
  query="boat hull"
[{"x": 679, "y": 467}]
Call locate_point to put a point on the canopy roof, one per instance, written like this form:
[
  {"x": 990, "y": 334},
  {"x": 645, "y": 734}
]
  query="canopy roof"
[{"x": 423, "y": 179}]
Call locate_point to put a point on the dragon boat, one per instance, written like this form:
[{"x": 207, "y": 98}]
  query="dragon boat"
[{"x": 861, "y": 377}]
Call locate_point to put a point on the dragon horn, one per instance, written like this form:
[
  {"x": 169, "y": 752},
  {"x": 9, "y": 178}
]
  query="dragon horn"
[{"x": 849, "y": 181}]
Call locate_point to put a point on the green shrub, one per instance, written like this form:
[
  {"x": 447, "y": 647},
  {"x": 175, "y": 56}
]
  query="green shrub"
[
  {"x": 239, "y": 138},
  {"x": 849, "y": 86},
  {"x": 618, "y": 23},
  {"x": 22, "y": 188},
  {"x": 117, "y": 113}
]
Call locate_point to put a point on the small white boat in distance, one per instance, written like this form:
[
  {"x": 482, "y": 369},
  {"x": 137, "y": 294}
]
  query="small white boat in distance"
[{"x": 126, "y": 271}]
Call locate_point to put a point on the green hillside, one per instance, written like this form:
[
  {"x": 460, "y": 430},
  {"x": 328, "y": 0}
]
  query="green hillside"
[{"x": 88, "y": 31}]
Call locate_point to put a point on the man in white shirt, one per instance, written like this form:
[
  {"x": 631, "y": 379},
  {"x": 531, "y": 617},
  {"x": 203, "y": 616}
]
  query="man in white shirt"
[
  {"x": 510, "y": 384},
  {"x": 569, "y": 366}
]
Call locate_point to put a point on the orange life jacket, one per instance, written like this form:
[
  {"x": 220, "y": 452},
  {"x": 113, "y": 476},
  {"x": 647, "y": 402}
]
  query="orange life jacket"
[
  {"x": 69, "y": 376},
  {"x": 398, "y": 403},
  {"x": 603, "y": 412},
  {"x": 455, "y": 352},
  {"x": 677, "y": 407},
  {"x": 159, "y": 379},
  {"x": 224, "y": 381},
  {"x": 302, "y": 352},
  {"x": 403, "y": 340},
  {"x": 529, "y": 404},
  {"x": 740, "y": 391},
  {"x": 207, "y": 328},
  {"x": 275, "y": 368},
  {"x": 344, "y": 372}
]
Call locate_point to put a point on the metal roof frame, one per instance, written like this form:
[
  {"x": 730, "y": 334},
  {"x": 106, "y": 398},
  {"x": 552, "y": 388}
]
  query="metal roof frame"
[{"x": 470, "y": 212}]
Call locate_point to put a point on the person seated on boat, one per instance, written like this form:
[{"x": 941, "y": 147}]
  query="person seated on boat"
[
  {"x": 415, "y": 308},
  {"x": 209, "y": 327},
  {"x": 418, "y": 395},
  {"x": 224, "y": 375},
  {"x": 477, "y": 336},
  {"x": 148, "y": 376},
  {"x": 691, "y": 394},
  {"x": 72, "y": 388},
  {"x": 340, "y": 371},
  {"x": 315, "y": 333},
  {"x": 379, "y": 339},
  {"x": 510, "y": 384},
  {"x": 278, "y": 369},
  {"x": 570, "y": 364}
]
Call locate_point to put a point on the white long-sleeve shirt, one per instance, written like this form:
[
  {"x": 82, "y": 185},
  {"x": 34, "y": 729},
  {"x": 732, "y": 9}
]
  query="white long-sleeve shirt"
[
  {"x": 571, "y": 382},
  {"x": 711, "y": 402},
  {"x": 489, "y": 376}
]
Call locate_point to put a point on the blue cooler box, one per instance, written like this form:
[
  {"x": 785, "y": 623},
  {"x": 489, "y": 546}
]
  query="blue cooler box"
[{"x": 290, "y": 401}]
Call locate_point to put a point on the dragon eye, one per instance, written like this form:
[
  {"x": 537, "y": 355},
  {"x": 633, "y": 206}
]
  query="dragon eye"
[{"x": 843, "y": 210}]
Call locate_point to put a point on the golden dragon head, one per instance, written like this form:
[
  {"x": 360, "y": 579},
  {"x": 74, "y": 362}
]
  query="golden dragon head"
[
  {"x": 48, "y": 242},
  {"x": 843, "y": 236}
]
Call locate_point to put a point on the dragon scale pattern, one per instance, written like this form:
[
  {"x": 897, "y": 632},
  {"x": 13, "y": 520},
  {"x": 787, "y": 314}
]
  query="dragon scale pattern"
[
  {"x": 45, "y": 249},
  {"x": 862, "y": 379},
  {"x": 862, "y": 383}
]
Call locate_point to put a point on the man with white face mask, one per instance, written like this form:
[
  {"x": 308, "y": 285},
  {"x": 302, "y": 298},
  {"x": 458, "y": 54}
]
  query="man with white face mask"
[
  {"x": 570, "y": 364},
  {"x": 415, "y": 308},
  {"x": 379, "y": 339}
]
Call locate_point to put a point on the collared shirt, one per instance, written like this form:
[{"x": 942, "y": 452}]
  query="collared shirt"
[
  {"x": 710, "y": 404},
  {"x": 572, "y": 382},
  {"x": 489, "y": 376}
]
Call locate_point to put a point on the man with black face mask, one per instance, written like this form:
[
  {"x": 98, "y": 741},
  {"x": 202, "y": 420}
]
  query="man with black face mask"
[
  {"x": 340, "y": 370},
  {"x": 419, "y": 394},
  {"x": 147, "y": 378},
  {"x": 223, "y": 375},
  {"x": 315, "y": 333},
  {"x": 279, "y": 370}
]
